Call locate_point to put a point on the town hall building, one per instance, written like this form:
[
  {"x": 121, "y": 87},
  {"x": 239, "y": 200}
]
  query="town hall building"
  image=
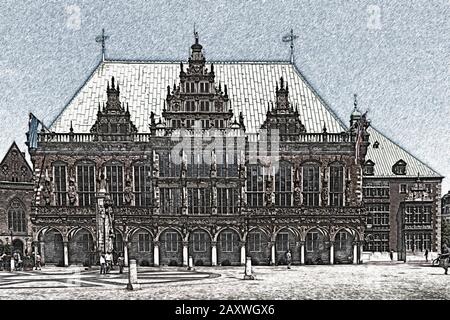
[{"x": 163, "y": 160}]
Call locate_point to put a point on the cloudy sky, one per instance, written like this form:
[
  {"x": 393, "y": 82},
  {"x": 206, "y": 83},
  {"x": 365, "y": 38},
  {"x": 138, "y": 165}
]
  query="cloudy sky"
[{"x": 394, "y": 54}]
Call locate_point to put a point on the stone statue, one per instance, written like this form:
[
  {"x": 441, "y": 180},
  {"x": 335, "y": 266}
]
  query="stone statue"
[
  {"x": 72, "y": 192},
  {"x": 47, "y": 192},
  {"x": 128, "y": 193}
]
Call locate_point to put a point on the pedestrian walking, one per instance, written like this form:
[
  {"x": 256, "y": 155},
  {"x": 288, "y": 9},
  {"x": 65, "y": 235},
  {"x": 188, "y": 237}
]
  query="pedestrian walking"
[
  {"x": 2, "y": 262},
  {"x": 108, "y": 259},
  {"x": 102, "y": 264},
  {"x": 120, "y": 262},
  {"x": 38, "y": 261},
  {"x": 426, "y": 255},
  {"x": 288, "y": 259},
  {"x": 391, "y": 255}
]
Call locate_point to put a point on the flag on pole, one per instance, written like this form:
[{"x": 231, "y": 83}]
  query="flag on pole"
[{"x": 34, "y": 126}]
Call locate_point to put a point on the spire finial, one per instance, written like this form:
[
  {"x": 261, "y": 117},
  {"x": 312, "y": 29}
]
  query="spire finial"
[
  {"x": 195, "y": 35},
  {"x": 112, "y": 82},
  {"x": 102, "y": 38},
  {"x": 71, "y": 126},
  {"x": 290, "y": 38},
  {"x": 355, "y": 102}
]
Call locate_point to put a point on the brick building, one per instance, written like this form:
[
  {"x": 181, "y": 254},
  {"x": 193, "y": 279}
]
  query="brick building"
[
  {"x": 165, "y": 160},
  {"x": 16, "y": 194}
]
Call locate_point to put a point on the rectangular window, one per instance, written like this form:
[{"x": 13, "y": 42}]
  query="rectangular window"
[
  {"x": 142, "y": 185},
  {"x": 199, "y": 200},
  {"x": 114, "y": 180},
  {"x": 311, "y": 186},
  {"x": 282, "y": 243},
  {"x": 312, "y": 241},
  {"x": 171, "y": 242},
  {"x": 86, "y": 184},
  {"x": 204, "y": 87},
  {"x": 226, "y": 241},
  {"x": 190, "y": 87},
  {"x": 336, "y": 186},
  {"x": 205, "y": 124},
  {"x": 403, "y": 188},
  {"x": 227, "y": 200},
  {"x": 170, "y": 199},
  {"x": 255, "y": 186},
  {"x": 196, "y": 166},
  {"x": 204, "y": 106},
  {"x": 190, "y": 105},
  {"x": 254, "y": 242},
  {"x": 60, "y": 174},
  {"x": 283, "y": 185},
  {"x": 199, "y": 240},
  {"x": 143, "y": 242},
  {"x": 169, "y": 167}
]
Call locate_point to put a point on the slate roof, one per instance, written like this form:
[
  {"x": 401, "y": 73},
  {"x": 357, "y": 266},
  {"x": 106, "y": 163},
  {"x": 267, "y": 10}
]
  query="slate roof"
[
  {"x": 251, "y": 85},
  {"x": 388, "y": 153},
  {"x": 143, "y": 85}
]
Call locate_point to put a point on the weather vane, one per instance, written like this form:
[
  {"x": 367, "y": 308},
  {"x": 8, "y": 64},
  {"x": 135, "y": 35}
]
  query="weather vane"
[
  {"x": 290, "y": 38},
  {"x": 102, "y": 39}
]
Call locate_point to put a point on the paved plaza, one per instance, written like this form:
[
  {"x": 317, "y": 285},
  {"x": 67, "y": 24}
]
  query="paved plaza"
[{"x": 368, "y": 281}]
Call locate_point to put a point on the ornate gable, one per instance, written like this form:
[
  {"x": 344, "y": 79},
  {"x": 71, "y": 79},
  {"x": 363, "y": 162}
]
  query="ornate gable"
[
  {"x": 197, "y": 102},
  {"x": 284, "y": 117},
  {"x": 14, "y": 167},
  {"x": 113, "y": 121}
]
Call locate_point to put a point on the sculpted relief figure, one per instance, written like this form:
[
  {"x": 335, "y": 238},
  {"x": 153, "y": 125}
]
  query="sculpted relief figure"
[
  {"x": 47, "y": 192},
  {"x": 128, "y": 193},
  {"x": 72, "y": 192}
]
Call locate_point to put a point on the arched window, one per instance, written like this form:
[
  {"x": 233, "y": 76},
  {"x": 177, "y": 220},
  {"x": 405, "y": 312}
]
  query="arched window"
[
  {"x": 16, "y": 217},
  {"x": 86, "y": 183},
  {"x": 336, "y": 185},
  {"x": 311, "y": 185},
  {"x": 283, "y": 185}
]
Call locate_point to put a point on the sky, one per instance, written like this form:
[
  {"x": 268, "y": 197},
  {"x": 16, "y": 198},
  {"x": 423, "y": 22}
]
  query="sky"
[{"x": 394, "y": 54}]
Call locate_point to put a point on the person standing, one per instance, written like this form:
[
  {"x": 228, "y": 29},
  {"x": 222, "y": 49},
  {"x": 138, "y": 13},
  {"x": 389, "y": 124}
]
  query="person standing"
[
  {"x": 391, "y": 255},
  {"x": 102, "y": 264},
  {"x": 120, "y": 262},
  {"x": 426, "y": 255},
  {"x": 288, "y": 259}
]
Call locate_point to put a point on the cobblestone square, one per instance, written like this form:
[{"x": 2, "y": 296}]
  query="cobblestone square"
[{"x": 386, "y": 281}]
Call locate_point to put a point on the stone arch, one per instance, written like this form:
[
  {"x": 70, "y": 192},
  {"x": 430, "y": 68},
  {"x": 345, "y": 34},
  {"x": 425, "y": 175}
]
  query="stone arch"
[
  {"x": 140, "y": 242},
  {"x": 18, "y": 245},
  {"x": 228, "y": 246},
  {"x": 350, "y": 230},
  {"x": 171, "y": 246},
  {"x": 343, "y": 245},
  {"x": 286, "y": 238},
  {"x": 81, "y": 246},
  {"x": 258, "y": 246},
  {"x": 317, "y": 246},
  {"x": 200, "y": 246},
  {"x": 158, "y": 235},
  {"x": 51, "y": 245},
  {"x": 216, "y": 236}
]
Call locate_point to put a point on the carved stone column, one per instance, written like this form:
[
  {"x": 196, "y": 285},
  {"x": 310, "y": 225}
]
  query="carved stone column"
[
  {"x": 243, "y": 252},
  {"x": 66, "y": 254},
  {"x": 214, "y": 253},
  {"x": 156, "y": 253},
  {"x": 185, "y": 253},
  {"x": 331, "y": 252},
  {"x": 302, "y": 252},
  {"x": 125, "y": 253},
  {"x": 355, "y": 252},
  {"x": 156, "y": 191},
  {"x": 272, "y": 253}
]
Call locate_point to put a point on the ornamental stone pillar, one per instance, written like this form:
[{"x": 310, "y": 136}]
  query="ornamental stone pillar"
[
  {"x": 125, "y": 253},
  {"x": 331, "y": 252},
  {"x": 355, "y": 252},
  {"x": 302, "y": 252},
  {"x": 243, "y": 253}
]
